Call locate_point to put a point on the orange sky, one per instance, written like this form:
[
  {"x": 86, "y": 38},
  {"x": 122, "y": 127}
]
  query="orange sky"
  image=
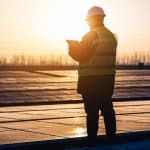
[{"x": 42, "y": 26}]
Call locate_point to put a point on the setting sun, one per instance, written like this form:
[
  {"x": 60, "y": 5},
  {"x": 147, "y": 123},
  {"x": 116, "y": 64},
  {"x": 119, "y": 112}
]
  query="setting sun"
[{"x": 62, "y": 21}]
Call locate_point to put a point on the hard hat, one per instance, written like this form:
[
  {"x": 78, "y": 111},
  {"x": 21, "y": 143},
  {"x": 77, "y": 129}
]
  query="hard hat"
[{"x": 95, "y": 11}]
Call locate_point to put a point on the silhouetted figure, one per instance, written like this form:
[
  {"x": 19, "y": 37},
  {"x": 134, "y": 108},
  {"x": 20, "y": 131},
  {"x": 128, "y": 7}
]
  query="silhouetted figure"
[{"x": 96, "y": 54}]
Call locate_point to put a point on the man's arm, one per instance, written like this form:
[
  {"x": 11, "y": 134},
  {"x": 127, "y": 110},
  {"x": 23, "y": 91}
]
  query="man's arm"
[
  {"x": 85, "y": 49},
  {"x": 88, "y": 45}
]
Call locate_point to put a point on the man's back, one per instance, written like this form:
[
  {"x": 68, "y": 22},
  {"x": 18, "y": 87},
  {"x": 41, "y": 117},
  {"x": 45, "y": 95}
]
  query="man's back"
[{"x": 97, "y": 74}]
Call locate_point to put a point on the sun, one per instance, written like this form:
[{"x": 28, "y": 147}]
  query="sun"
[{"x": 61, "y": 23}]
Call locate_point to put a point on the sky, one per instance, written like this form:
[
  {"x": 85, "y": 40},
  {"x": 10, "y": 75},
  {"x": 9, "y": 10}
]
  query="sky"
[{"x": 36, "y": 27}]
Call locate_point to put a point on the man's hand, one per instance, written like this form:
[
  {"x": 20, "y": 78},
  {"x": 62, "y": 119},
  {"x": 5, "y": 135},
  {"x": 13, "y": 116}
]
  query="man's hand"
[
  {"x": 72, "y": 41},
  {"x": 72, "y": 44},
  {"x": 74, "y": 49}
]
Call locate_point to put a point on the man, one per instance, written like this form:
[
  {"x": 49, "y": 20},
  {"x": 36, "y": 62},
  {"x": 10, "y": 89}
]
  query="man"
[{"x": 96, "y": 54}]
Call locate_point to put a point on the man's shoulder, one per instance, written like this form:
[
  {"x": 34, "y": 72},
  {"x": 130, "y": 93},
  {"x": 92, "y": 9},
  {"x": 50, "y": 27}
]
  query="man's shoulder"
[
  {"x": 89, "y": 36},
  {"x": 108, "y": 31}
]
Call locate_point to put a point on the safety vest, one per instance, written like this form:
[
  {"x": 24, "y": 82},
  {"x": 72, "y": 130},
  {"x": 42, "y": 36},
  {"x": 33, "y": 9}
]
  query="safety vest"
[{"x": 104, "y": 59}]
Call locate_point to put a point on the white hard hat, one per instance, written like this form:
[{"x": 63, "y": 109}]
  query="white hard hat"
[{"x": 96, "y": 11}]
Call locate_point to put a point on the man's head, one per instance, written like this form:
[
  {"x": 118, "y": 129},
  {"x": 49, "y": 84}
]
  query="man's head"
[{"x": 95, "y": 16}]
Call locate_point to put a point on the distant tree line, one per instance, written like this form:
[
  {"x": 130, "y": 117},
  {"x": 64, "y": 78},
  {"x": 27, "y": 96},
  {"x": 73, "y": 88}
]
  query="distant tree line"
[
  {"x": 134, "y": 58},
  {"x": 53, "y": 60},
  {"x": 65, "y": 60}
]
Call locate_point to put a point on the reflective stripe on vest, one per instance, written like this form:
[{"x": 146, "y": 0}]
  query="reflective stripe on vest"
[
  {"x": 103, "y": 61},
  {"x": 96, "y": 71}
]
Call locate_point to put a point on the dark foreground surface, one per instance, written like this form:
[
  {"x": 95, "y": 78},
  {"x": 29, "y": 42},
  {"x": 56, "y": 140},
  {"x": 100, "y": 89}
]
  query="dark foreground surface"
[{"x": 123, "y": 141}]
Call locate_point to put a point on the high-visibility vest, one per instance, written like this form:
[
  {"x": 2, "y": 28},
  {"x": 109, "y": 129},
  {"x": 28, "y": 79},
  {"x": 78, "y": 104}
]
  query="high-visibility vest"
[{"x": 104, "y": 59}]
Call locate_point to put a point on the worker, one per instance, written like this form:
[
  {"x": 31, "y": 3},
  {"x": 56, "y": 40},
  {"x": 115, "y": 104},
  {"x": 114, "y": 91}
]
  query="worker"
[{"x": 96, "y": 54}]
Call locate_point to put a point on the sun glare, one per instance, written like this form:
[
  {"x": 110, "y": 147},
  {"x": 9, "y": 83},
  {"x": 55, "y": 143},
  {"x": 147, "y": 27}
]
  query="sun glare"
[{"x": 61, "y": 23}]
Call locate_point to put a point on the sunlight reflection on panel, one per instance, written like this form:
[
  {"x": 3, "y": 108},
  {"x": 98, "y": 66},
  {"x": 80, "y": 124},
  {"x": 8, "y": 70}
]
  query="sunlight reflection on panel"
[{"x": 79, "y": 132}]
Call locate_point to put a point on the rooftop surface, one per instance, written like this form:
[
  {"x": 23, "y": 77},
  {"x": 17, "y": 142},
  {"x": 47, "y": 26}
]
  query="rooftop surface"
[
  {"x": 47, "y": 122},
  {"x": 19, "y": 124},
  {"x": 60, "y": 86}
]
